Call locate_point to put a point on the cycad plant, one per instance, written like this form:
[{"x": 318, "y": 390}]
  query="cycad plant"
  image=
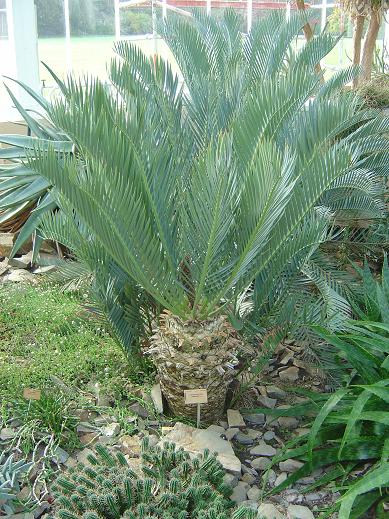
[{"x": 201, "y": 185}]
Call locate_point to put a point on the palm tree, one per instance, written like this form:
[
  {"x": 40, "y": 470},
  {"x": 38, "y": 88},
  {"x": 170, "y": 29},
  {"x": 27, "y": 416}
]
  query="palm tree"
[{"x": 199, "y": 186}]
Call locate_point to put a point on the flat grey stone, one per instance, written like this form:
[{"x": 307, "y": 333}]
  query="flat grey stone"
[
  {"x": 248, "y": 478},
  {"x": 269, "y": 435},
  {"x": 230, "y": 479},
  {"x": 156, "y": 396},
  {"x": 61, "y": 455},
  {"x": 197, "y": 440},
  {"x": 244, "y": 439},
  {"x": 239, "y": 493},
  {"x": 261, "y": 463},
  {"x": 288, "y": 422},
  {"x": 269, "y": 511},
  {"x": 111, "y": 430},
  {"x": 258, "y": 418},
  {"x": 267, "y": 401},
  {"x": 235, "y": 419},
  {"x": 254, "y": 493},
  {"x": 289, "y": 374},
  {"x": 280, "y": 479},
  {"x": 290, "y": 465},
  {"x": 299, "y": 512},
  {"x": 7, "y": 433},
  {"x": 263, "y": 449},
  {"x": 275, "y": 392}
]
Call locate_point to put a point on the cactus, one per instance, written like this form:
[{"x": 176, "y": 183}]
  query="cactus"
[
  {"x": 10, "y": 475},
  {"x": 171, "y": 486}
]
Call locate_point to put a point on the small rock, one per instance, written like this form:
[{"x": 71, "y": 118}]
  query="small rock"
[
  {"x": 271, "y": 477},
  {"x": 3, "y": 266},
  {"x": 299, "y": 512},
  {"x": 288, "y": 422},
  {"x": 21, "y": 263},
  {"x": 196, "y": 440},
  {"x": 130, "y": 445},
  {"x": 86, "y": 427},
  {"x": 139, "y": 410},
  {"x": 263, "y": 449},
  {"x": 275, "y": 392},
  {"x": 261, "y": 463},
  {"x": 290, "y": 374},
  {"x": 280, "y": 479},
  {"x": 89, "y": 438},
  {"x": 248, "y": 478},
  {"x": 111, "y": 430},
  {"x": 253, "y": 433},
  {"x": 254, "y": 493},
  {"x": 156, "y": 396},
  {"x": 231, "y": 480},
  {"x": 231, "y": 433},
  {"x": 267, "y": 401},
  {"x": 235, "y": 419},
  {"x": 269, "y": 435},
  {"x": 257, "y": 419},
  {"x": 239, "y": 493},
  {"x": 290, "y": 465},
  {"x": 244, "y": 439},
  {"x": 292, "y": 496},
  {"x": 7, "y": 433},
  {"x": 314, "y": 496},
  {"x": 19, "y": 276},
  {"x": 269, "y": 511},
  {"x": 61, "y": 455}
]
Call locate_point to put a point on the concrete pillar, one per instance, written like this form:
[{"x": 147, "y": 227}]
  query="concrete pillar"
[{"x": 21, "y": 55}]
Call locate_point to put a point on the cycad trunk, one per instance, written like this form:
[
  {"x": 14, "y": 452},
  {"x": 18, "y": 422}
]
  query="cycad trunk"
[
  {"x": 369, "y": 46},
  {"x": 359, "y": 22},
  {"x": 195, "y": 355}
]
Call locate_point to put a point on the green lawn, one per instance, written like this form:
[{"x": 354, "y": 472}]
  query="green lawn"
[
  {"x": 43, "y": 332},
  {"x": 89, "y": 54}
]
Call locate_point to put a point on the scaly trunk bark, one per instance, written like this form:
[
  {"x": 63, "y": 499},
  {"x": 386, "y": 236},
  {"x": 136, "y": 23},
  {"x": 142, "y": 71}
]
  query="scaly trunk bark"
[
  {"x": 195, "y": 355},
  {"x": 359, "y": 22},
  {"x": 369, "y": 45},
  {"x": 308, "y": 33}
]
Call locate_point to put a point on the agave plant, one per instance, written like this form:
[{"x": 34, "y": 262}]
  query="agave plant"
[
  {"x": 200, "y": 186},
  {"x": 24, "y": 194}
]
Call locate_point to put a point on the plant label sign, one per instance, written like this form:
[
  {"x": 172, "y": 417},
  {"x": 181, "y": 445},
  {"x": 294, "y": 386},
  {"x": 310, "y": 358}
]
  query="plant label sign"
[
  {"x": 32, "y": 394},
  {"x": 196, "y": 396}
]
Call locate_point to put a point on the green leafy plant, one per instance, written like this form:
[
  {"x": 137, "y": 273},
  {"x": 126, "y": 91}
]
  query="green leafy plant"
[
  {"x": 191, "y": 192},
  {"x": 171, "y": 485},
  {"x": 370, "y": 301},
  {"x": 351, "y": 426},
  {"x": 50, "y": 415},
  {"x": 24, "y": 194},
  {"x": 11, "y": 473}
]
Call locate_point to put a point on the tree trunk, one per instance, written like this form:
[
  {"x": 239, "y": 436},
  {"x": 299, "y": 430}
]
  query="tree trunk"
[
  {"x": 195, "y": 355},
  {"x": 308, "y": 33},
  {"x": 369, "y": 46},
  {"x": 359, "y": 22}
]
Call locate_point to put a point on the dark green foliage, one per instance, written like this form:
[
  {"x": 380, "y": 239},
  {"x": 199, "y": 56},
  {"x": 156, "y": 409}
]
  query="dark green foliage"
[
  {"x": 172, "y": 486},
  {"x": 351, "y": 426},
  {"x": 371, "y": 301}
]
